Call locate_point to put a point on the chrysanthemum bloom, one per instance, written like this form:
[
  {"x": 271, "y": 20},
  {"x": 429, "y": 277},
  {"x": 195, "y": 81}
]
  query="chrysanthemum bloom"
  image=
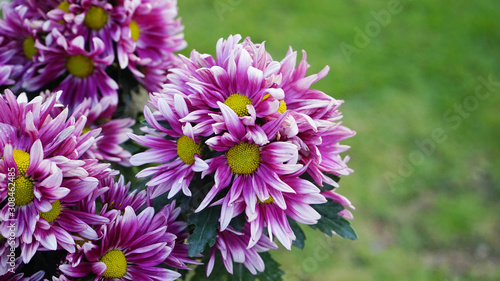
[
  {"x": 40, "y": 169},
  {"x": 89, "y": 18},
  {"x": 232, "y": 245},
  {"x": 113, "y": 131},
  {"x": 83, "y": 71},
  {"x": 19, "y": 33},
  {"x": 254, "y": 172},
  {"x": 131, "y": 248},
  {"x": 179, "y": 147},
  {"x": 149, "y": 37},
  {"x": 241, "y": 76}
]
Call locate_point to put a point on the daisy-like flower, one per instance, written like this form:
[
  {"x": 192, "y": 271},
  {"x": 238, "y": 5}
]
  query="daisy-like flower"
[
  {"x": 232, "y": 245},
  {"x": 19, "y": 33},
  {"x": 83, "y": 70},
  {"x": 131, "y": 248},
  {"x": 242, "y": 77},
  {"x": 149, "y": 37},
  {"x": 332, "y": 194},
  {"x": 40, "y": 169},
  {"x": 179, "y": 147},
  {"x": 92, "y": 18},
  {"x": 114, "y": 132}
]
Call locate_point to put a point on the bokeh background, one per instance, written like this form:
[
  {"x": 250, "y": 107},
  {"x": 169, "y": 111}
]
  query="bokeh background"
[{"x": 421, "y": 84}]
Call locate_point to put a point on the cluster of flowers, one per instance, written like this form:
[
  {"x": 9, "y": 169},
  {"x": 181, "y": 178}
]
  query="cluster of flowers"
[
  {"x": 254, "y": 130},
  {"x": 238, "y": 137},
  {"x": 86, "y": 47},
  {"x": 67, "y": 200}
]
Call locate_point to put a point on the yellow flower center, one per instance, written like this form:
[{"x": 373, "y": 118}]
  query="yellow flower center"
[
  {"x": 134, "y": 29},
  {"x": 22, "y": 159},
  {"x": 23, "y": 193},
  {"x": 80, "y": 66},
  {"x": 243, "y": 158},
  {"x": 23, "y": 186},
  {"x": 267, "y": 201},
  {"x": 64, "y": 5},
  {"x": 29, "y": 47},
  {"x": 282, "y": 107},
  {"x": 187, "y": 148},
  {"x": 86, "y": 130},
  {"x": 238, "y": 103},
  {"x": 116, "y": 264},
  {"x": 95, "y": 18},
  {"x": 52, "y": 215}
]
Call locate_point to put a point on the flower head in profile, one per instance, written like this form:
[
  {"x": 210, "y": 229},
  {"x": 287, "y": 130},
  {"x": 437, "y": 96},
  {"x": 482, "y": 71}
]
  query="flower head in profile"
[
  {"x": 83, "y": 71},
  {"x": 40, "y": 168},
  {"x": 149, "y": 37},
  {"x": 131, "y": 248}
]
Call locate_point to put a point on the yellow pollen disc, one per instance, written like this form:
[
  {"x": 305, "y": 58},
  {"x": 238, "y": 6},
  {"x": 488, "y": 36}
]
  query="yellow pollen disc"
[
  {"x": 64, "y": 5},
  {"x": 80, "y": 66},
  {"x": 23, "y": 191},
  {"x": 282, "y": 107},
  {"x": 86, "y": 130},
  {"x": 134, "y": 29},
  {"x": 187, "y": 148},
  {"x": 267, "y": 201},
  {"x": 116, "y": 264},
  {"x": 243, "y": 158},
  {"x": 52, "y": 215},
  {"x": 95, "y": 18},
  {"x": 29, "y": 47},
  {"x": 238, "y": 103},
  {"x": 22, "y": 159}
]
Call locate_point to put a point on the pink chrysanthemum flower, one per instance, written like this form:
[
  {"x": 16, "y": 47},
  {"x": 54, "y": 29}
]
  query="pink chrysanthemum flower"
[
  {"x": 83, "y": 70},
  {"x": 40, "y": 167},
  {"x": 149, "y": 37},
  {"x": 89, "y": 18},
  {"x": 233, "y": 247},
  {"x": 331, "y": 194},
  {"x": 179, "y": 147},
  {"x": 131, "y": 248},
  {"x": 19, "y": 33},
  {"x": 114, "y": 132},
  {"x": 242, "y": 76}
]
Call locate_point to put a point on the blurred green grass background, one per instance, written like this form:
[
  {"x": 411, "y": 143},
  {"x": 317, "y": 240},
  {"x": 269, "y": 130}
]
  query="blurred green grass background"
[{"x": 423, "y": 212}]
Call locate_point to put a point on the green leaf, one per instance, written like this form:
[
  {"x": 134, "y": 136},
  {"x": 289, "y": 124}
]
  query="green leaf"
[
  {"x": 299, "y": 242},
  {"x": 332, "y": 221},
  {"x": 205, "y": 231}
]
